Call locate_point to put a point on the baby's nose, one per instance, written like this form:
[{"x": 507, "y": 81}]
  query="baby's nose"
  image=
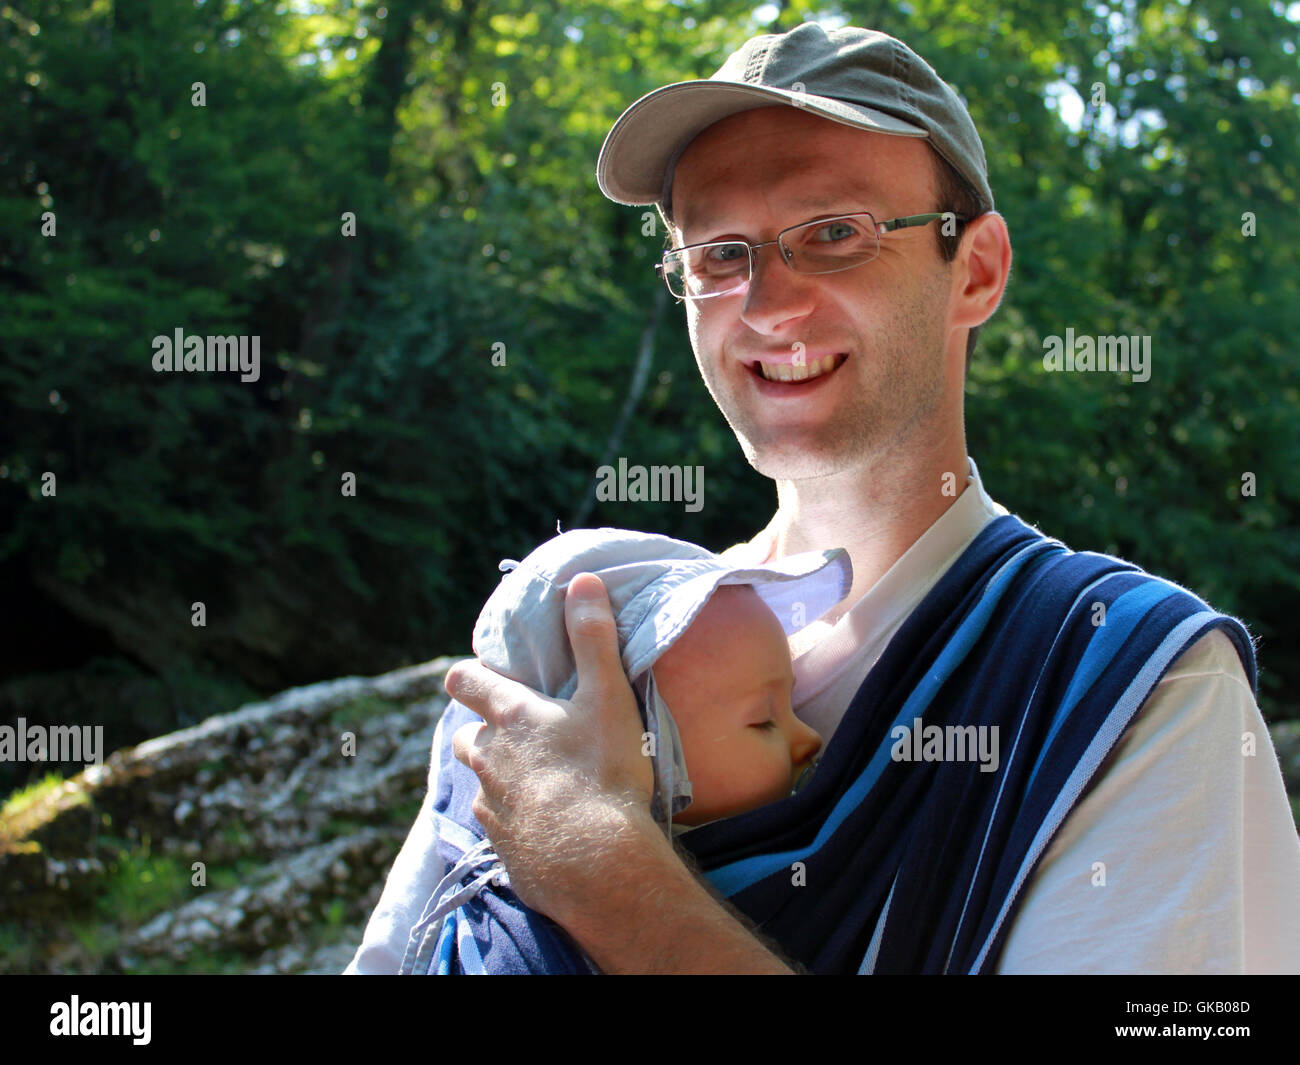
[{"x": 804, "y": 743}]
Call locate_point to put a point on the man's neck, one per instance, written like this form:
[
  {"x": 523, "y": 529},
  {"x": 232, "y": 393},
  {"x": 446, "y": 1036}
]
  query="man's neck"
[{"x": 876, "y": 509}]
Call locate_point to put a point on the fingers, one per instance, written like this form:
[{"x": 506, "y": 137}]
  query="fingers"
[
  {"x": 593, "y": 636},
  {"x": 493, "y": 697},
  {"x": 467, "y": 744}
]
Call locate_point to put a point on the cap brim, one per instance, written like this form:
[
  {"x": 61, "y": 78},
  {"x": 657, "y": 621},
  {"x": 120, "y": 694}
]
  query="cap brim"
[
  {"x": 650, "y": 135},
  {"x": 798, "y": 589}
]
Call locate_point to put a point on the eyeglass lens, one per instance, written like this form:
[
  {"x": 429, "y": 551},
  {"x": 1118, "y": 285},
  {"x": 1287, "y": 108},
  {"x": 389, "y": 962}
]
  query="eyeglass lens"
[{"x": 821, "y": 247}]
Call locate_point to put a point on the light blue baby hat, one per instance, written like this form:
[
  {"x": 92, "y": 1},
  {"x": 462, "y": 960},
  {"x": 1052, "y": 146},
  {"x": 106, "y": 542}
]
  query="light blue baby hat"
[{"x": 657, "y": 586}]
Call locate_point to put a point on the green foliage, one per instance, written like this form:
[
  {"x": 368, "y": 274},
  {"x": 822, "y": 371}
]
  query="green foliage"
[
  {"x": 1131, "y": 220},
  {"x": 463, "y": 138},
  {"x": 28, "y": 796},
  {"x": 138, "y": 885}
]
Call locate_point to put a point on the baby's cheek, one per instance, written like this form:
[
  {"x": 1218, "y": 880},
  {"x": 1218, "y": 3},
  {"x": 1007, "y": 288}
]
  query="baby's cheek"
[{"x": 778, "y": 771}]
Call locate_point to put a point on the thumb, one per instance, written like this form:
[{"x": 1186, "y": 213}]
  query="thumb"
[{"x": 593, "y": 636}]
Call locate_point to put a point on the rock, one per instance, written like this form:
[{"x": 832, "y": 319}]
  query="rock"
[
  {"x": 249, "y": 842},
  {"x": 264, "y": 912}
]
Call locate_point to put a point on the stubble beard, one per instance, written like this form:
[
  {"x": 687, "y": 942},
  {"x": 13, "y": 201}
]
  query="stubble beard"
[{"x": 895, "y": 385}]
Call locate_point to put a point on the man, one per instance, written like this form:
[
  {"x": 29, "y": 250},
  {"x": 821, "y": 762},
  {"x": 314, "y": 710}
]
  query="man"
[{"x": 836, "y": 246}]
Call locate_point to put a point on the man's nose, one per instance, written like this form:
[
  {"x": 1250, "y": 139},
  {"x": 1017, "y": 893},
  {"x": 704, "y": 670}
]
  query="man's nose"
[{"x": 777, "y": 295}]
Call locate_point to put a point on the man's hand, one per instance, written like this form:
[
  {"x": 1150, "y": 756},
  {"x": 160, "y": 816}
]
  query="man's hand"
[
  {"x": 562, "y": 782},
  {"x": 565, "y": 797}
]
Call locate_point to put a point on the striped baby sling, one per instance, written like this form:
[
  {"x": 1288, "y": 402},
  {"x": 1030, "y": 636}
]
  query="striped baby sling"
[{"x": 904, "y": 853}]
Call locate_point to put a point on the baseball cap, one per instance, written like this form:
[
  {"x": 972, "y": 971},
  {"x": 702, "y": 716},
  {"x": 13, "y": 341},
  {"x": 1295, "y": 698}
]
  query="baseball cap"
[{"x": 858, "y": 77}]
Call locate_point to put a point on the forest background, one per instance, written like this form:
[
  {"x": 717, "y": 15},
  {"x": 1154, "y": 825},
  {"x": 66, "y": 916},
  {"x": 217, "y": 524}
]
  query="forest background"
[{"x": 398, "y": 198}]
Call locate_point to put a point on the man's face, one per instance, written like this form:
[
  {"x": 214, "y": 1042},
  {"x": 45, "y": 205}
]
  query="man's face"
[{"x": 881, "y": 325}]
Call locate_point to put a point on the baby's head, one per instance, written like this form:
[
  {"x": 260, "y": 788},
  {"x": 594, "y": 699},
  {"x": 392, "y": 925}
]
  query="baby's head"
[
  {"x": 703, "y": 642},
  {"x": 727, "y": 681}
]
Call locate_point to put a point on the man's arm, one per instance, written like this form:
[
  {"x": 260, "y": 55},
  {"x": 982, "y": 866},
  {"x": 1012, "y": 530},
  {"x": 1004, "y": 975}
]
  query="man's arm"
[
  {"x": 643, "y": 911},
  {"x": 565, "y": 797}
]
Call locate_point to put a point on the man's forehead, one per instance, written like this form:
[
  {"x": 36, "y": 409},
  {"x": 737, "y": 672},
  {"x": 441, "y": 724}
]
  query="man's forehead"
[
  {"x": 795, "y": 162},
  {"x": 799, "y": 191}
]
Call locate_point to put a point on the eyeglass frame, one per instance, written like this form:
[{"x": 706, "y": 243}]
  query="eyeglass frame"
[{"x": 881, "y": 228}]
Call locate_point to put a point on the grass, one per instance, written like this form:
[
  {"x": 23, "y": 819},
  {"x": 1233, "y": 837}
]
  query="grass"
[
  {"x": 28, "y": 796},
  {"x": 139, "y": 886},
  {"x": 136, "y": 887},
  {"x": 21, "y": 799},
  {"x": 30, "y": 807}
]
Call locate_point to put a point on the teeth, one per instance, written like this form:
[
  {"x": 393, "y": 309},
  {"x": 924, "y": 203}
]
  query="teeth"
[{"x": 790, "y": 372}]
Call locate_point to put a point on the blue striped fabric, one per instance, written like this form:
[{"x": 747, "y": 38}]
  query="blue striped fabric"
[{"x": 888, "y": 865}]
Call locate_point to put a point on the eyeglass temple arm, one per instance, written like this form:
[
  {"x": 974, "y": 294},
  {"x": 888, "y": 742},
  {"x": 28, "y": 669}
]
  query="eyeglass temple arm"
[{"x": 916, "y": 220}]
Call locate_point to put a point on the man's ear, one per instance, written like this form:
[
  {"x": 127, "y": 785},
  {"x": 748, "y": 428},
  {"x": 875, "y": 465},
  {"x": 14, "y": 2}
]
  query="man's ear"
[{"x": 980, "y": 272}]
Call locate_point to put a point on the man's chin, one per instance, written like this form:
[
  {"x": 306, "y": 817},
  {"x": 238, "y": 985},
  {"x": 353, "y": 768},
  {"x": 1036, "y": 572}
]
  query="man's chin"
[{"x": 787, "y": 462}]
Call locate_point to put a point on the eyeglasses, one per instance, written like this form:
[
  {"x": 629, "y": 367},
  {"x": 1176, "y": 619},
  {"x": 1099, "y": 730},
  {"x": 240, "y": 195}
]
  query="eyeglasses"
[{"x": 823, "y": 246}]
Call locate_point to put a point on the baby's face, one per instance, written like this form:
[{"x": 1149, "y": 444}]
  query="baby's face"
[{"x": 727, "y": 682}]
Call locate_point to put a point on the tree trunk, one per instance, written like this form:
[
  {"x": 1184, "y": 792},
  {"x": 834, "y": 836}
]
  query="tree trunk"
[{"x": 640, "y": 375}]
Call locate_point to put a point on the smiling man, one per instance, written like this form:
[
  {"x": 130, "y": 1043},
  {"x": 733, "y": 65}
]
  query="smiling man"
[
  {"x": 834, "y": 239},
  {"x": 805, "y": 365}
]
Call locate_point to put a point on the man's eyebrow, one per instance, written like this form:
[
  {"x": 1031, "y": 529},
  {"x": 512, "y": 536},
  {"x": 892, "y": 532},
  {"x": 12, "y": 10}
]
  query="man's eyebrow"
[{"x": 806, "y": 208}]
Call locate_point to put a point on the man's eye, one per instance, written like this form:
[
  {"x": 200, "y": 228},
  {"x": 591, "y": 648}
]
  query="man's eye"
[
  {"x": 835, "y": 231},
  {"x": 726, "y": 253}
]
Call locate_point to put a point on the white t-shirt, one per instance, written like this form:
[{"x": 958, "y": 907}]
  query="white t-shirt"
[{"x": 1182, "y": 857}]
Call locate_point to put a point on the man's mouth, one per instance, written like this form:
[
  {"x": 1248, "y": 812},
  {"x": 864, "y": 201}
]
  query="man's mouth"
[{"x": 793, "y": 372}]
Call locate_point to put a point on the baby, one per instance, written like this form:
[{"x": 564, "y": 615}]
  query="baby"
[
  {"x": 704, "y": 646},
  {"x": 727, "y": 683}
]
